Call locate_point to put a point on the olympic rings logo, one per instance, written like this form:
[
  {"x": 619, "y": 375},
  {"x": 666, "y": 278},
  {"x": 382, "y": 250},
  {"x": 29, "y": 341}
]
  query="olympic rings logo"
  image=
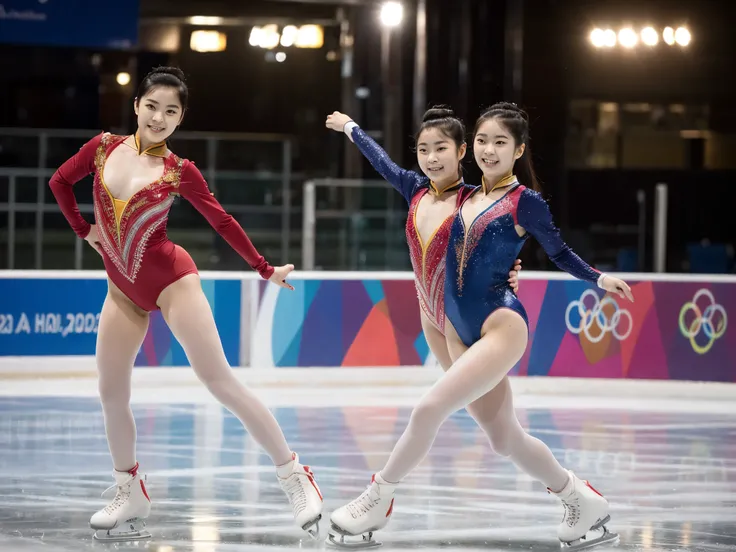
[
  {"x": 706, "y": 320},
  {"x": 595, "y": 314}
]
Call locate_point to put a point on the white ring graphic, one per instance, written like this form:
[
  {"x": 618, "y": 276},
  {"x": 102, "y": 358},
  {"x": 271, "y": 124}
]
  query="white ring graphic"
[{"x": 595, "y": 314}]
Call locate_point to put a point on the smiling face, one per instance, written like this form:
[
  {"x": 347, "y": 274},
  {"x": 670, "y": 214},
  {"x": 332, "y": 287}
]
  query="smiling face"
[
  {"x": 439, "y": 156},
  {"x": 159, "y": 112},
  {"x": 495, "y": 150}
]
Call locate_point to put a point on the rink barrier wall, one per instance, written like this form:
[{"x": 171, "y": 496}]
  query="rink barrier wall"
[{"x": 676, "y": 329}]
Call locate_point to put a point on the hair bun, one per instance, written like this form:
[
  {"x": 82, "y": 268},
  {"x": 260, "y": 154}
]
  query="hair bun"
[
  {"x": 509, "y": 106},
  {"x": 438, "y": 112},
  {"x": 173, "y": 71}
]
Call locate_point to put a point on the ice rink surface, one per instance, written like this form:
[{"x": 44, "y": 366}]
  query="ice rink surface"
[{"x": 666, "y": 464}]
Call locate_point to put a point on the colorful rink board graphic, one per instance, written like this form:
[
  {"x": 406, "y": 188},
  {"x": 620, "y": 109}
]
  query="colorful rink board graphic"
[
  {"x": 673, "y": 330},
  {"x": 340, "y": 323}
]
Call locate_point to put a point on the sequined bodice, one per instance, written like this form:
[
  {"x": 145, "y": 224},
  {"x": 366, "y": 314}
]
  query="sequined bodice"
[
  {"x": 127, "y": 231},
  {"x": 428, "y": 262},
  {"x": 485, "y": 250}
]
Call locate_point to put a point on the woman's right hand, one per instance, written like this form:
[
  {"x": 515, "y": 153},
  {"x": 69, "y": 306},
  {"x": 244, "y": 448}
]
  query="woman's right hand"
[
  {"x": 337, "y": 121},
  {"x": 93, "y": 238}
]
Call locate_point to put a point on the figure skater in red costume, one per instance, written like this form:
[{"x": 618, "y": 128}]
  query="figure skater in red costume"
[{"x": 136, "y": 179}]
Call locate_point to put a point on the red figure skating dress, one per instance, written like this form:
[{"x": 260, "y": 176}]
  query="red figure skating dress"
[{"x": 139, "y": 257}]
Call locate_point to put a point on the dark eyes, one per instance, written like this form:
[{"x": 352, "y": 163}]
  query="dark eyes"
[{"x": 169, "y": 112}]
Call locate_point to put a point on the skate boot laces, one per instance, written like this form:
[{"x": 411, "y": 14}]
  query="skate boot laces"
[
  {"x": 572, "y": 511},
  {"x": 294, "y": 489},
  {"x": 364, "y": 503},
  {"x": 122, "y": 495}
]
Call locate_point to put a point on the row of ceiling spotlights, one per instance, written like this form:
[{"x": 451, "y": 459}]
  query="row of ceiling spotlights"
[{"x": 629, "y": 38}]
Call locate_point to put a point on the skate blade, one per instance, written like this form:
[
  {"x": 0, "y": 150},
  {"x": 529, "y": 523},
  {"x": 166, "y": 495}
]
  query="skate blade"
[
  {"x": 103, "y": 535},
  {"x": 595, "y": 537},
  {"x": 337, "y": 538},
  {"x": 131, "y": 530},
  {"x": 312, "y": 527}
]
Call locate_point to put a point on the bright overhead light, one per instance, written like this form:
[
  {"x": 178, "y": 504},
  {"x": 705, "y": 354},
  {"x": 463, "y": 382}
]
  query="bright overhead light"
[
  {"x": 205, "y": 20},
  {"x": 123, "y": 78},
  {"x": 391, "y": 14},
  {"x": 649, "y": 36},
  {"x": 268, "y": 36},
  {"x": 609, "y": 38},
  {"x": 682, "y": 36},
  {"x": 280, "y": 57},
  {"x": 289, "y": 35},
  {"x": 627, "y": 37},
  {"x": 208, "y": 41},
  {"x": 668, "y": 35},
  {"x": 310, "y": 36},
  {"x": 601, "y": 38},
  {"x": 597, "y": 38},
  {"x": 255, "y": 36}
]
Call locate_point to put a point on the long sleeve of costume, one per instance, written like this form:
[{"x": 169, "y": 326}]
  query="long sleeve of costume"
[
  {"x": 404, "y": 181},
  {"x": 533, "y": 215},
  {"x": 63, "y": 180},
  {"x": 194, "y": 189}
]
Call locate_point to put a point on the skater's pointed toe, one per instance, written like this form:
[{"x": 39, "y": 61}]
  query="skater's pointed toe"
[{"x": 340, "y": 517}]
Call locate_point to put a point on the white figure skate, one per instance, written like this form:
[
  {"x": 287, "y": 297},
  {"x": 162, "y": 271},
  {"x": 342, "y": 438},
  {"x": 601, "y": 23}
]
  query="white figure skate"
[
  {"x": 304, "y": 495},
  {"x": 586, "y": 514},
  {"x": 368, "y": 513},
  {"x": 124, "y": 518}
]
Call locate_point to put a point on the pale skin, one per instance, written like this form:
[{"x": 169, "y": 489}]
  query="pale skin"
[{"x": 438, "y": 158}]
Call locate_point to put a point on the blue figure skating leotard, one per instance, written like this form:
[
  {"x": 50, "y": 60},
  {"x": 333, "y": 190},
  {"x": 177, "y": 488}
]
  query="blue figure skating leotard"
[{"x": 478, "y": 258}]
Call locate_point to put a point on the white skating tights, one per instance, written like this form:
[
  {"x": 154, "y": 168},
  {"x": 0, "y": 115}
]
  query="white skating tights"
[
  {"x": 188, "y": 314},
  {"x": 493, "y": 411}
]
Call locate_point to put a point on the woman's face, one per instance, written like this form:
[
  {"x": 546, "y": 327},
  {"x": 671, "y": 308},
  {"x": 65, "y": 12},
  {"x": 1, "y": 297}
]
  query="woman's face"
[
  {"x": 159, "y": 112},
  {"x": 439, "y": 156},
  {"x": 495, "y": 150}
]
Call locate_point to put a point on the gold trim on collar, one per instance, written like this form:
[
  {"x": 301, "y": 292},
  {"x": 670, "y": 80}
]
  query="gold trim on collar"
[
  {"x": 505, "y": 181},
  {"x": 433, "y": 187},
  {"x": 156, "y": 150}
]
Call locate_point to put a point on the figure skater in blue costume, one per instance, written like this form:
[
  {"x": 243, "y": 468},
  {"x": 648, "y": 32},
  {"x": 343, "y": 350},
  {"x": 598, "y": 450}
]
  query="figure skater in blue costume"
[{"x": 487, "y": 328}]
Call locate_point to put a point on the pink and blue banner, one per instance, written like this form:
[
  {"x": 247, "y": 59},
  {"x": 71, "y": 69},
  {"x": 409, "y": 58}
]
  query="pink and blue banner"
[{"x": 673, "y": 330}]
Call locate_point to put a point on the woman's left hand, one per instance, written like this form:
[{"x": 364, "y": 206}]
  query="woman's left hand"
[
  {"x": 514, "y": 276},
  {"x": 617, "y": 286}
]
